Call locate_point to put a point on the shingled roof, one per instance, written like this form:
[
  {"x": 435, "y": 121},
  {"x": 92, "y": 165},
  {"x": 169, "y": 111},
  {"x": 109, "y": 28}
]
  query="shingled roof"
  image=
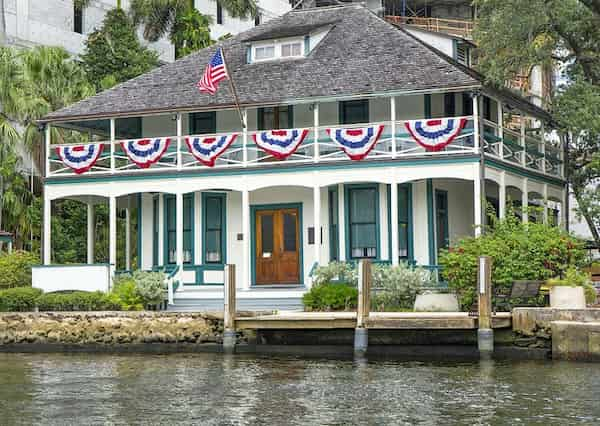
[{"x": 361, "y": 55}]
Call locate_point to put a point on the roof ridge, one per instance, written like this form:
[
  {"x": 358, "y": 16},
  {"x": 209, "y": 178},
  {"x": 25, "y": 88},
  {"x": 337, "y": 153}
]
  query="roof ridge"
[{"x": 333, "y": 6}]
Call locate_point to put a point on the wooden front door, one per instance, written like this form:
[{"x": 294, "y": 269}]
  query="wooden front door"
[{"x": 278, "y": 246}]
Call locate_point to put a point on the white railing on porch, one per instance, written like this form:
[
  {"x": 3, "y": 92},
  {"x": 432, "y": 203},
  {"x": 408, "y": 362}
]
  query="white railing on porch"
[{"x": 395, "y": 142}]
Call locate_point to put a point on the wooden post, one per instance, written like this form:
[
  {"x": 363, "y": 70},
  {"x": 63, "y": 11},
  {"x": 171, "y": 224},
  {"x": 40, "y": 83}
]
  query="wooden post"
[
  {"x": 229, "y": 309},
  {"x": 361, "y": 334},
  {"x": 485, "y": 333}
]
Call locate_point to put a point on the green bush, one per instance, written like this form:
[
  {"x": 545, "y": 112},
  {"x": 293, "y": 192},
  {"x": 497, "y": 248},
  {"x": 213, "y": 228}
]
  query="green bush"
[
  {"x": 531, "y": 251},
  {"x": 19, "y": 299},
  {"x": 575, "y": 278},
  {"x": 336, "y": 272},
  {"x": 150, "y": 286},
  {"x": 15, "y": 269},
  {"x": 77, "y": 301},
  {"x": 330, "y": 297},
  {"x": 396, "y": 287},
  {"x": 125, "y": 294}
]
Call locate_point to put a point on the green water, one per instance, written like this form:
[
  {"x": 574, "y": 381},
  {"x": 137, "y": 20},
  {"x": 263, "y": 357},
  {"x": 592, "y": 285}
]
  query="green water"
[{"x": 212, "y": 389}]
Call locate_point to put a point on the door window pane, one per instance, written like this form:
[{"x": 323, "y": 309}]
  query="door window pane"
[
  {"x": 354, "y": 112},
  {"x": 289, "y": 232},
  {"x": 266, "y": 230}
]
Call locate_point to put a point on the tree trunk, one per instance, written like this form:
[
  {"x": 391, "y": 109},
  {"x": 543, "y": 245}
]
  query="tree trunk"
[
  {"x": 2, "y": 24},
  {"x": 588, "y": 218}
]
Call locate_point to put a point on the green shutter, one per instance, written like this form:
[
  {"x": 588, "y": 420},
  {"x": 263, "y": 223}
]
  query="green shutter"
[
  {"x": 154, "y": 231},
  {"x": 290, "y": 110},
  {"x": 260, "y": 118}
]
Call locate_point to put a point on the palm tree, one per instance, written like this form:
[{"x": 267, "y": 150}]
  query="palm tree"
[{"x": 160, "y": 17}]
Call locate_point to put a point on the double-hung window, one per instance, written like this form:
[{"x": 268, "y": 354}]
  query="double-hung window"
[
  {"x": 404, "y": 226},
  {"x": 362, "y": 203},
  {"x": 214, "y": 228},
  {"x": 333, "y": 225},
  {"x": 291, "y": 49},
  {"x": 171, "y": 228},
  {"x": 263, "y": 53}
]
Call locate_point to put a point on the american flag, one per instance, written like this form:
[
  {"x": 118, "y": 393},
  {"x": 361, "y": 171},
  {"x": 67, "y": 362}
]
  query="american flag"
[{"x": 215, "y": 71}]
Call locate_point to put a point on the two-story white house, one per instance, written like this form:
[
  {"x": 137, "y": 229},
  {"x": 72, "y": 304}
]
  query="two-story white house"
[{"x": 359, "y": 141}]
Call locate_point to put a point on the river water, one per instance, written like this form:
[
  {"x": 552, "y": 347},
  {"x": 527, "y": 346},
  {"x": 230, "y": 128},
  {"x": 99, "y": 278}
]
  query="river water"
[{"x": 213, "y": 389}]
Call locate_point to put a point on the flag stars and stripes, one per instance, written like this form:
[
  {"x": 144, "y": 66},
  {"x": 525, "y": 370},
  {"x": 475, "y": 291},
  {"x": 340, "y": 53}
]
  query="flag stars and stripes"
[{"x": 215, "y": 72}]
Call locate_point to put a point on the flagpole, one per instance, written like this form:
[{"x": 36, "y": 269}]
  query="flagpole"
[{"x": 233, "y": 91}]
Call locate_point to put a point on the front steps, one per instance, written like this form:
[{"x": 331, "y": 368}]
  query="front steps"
[{"x": 192, "y": 299}]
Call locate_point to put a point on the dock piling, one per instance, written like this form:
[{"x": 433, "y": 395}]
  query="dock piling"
[
  {"x": 485, "y": 333},
  {"x": 361, "y": 333},
  {"x": 229, "y": 309}
]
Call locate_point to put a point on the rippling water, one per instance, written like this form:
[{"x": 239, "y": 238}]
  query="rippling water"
[{"x": 215, "y": 389}]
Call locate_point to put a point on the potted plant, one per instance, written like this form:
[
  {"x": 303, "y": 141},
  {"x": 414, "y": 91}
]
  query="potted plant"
[{"x": 572, "y": 291}]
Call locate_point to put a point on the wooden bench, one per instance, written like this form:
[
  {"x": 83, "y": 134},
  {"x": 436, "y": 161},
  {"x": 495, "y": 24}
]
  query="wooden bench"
[{"x": 522, "y": 290}]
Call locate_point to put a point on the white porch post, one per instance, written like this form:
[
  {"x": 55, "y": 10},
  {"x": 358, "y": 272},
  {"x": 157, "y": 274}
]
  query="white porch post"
[
  {"x": 179, "y": 231},
  {"x": 161, "y": 230},
  {"x": 477, "y": 191},
  {"x": 199, "y": 226},
  {"x": 316, "y": 132},
  {"x": 502, "y": 195},
  {"x": 317, "y": 223},
  {"x": 246, "y": 238},
  {"x": 48, "y": 142},
  {"x": 564, "y": 202},
  {"x": 179, "y": 141},
  {"x": 47, "y": 230},
  {"x": 128, "y": 235},
  {"x": 393, "y": 119},
  {"x": 112, "y": 145},
  {"x": 523, "y": 141},
  {"x": 394, "y": 222},
  {"x": 525, "y": 201},
  {"x": 245, "y": 137},
  {"x": 476, "y": 142},
  {"x": 341, "y": 222},
  {"x": 545, "y": 205},
  {"x": 90, "y": 233},
  {"x": 501, "y": 127},
  {"x": 112, "y": 235}
]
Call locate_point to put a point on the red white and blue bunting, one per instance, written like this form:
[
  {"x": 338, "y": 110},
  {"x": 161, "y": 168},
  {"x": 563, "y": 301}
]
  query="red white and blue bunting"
[
  {"x": 145, "y": 152},
  {"x": 280, "y": 143},
  {"x": 207, "y": 149},
  {"x": 80, "y": 158},
  {"x": 357, "y": 142},
  {"x": 435, "y": 135}
]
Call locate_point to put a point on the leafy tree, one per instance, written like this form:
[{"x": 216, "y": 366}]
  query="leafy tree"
[
  {"x": 177, "y": 18},
  {"x": 513, "y": 35},
  {"x": 113, "y": 53}
]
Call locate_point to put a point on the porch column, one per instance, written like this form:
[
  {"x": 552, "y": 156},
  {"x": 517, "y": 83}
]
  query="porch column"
[
  {"x": 316, "y": 132},
  {"x": 394, "y": 222},
  {"x": 161, "y": 230},
  {"x": 179, "y": 230},
  {"x": 341, "y": 222},
  {"x": 393, "y": 119},
  {"x": 179, "y": 141},
  {"x": 502, "y": 196},
  {"x": 245, "y": 137},
  {"x": 128, "y": 235},
  {"x": 564, "y": 209},
  {"x": 501, "y": 127},
  {"x": 317, "y": 223},
  {"x": 90, "y": 233},
  {"x": 112, "y": 145},
  {"x": 47, "y": 230},
  {"x": 525, "y": 201},
  {"x": 477, "y": 191},
  {"x": 112, "y": 235},
  {"x": 545, "y": 201},
  {"x": 476, "y": 129},
  {"x": 246, "y": 238},
  {"x": 198, "y": 226}
]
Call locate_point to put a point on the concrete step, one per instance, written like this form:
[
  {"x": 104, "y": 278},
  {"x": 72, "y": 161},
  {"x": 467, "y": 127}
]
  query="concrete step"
[{"x": 246, "y": 304}]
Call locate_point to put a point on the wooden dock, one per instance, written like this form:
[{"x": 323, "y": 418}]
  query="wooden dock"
[{"x": 375, "y": 320}]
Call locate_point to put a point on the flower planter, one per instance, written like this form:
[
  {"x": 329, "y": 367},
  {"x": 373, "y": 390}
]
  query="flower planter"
[
  {"x": 436, "y": 302},
  {"x": 565, "y": 297}
]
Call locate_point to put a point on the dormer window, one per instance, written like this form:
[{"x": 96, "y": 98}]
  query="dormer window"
[
  {"x": 291, "y": 49},
  {"x": 277, "y": 49}
]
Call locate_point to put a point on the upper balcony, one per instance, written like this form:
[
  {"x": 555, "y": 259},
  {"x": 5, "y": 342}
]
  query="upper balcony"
[
  {"x": 387, "y": 128},
  {"x": 462, "y": 28}
]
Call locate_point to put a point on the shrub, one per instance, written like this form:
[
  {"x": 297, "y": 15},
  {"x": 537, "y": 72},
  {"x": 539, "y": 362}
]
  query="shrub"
[
  {"x": 330, "y": 297},
  {"x": 575, "y": 278},
  {"x": 15, "y": 269},
  {"x": 519, "y": 251},
  {"x": 19, "y": 299},
  {"x": 77, "y": 301},
  {"x": 340, "y": 272},
  {"x": 396, "y": 287},
  {"x": 126, "y": 295},
  {"x": 150, "y": 286}
]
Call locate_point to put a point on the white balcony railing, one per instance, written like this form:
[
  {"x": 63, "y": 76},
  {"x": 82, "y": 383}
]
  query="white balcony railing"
[{"x": 395, "y": 142}]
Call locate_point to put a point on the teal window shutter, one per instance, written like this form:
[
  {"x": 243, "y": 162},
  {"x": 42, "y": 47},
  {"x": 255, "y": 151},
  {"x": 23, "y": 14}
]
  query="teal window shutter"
[
  {"x": 427, "y": 101},
  {"x": 170, "y": 229},
  {"x": 214, "y": 228},
  {"x": 306, "y": 45},
  {"x": 290, "y": 111},
  {"x": 441, "y": 219},
  {"x": 333, "y": 225}
]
